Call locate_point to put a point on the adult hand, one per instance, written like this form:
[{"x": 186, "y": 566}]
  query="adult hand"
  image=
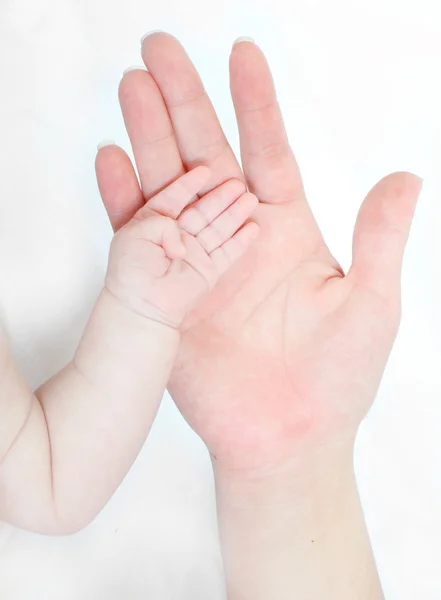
[
  {"x": 280, "y": 363},
  {"x": 286, "y": 350}
]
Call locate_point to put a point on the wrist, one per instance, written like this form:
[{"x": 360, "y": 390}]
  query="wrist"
[
  {"x": 115, "y": 335},
  {"x": 296, "y": 531},
  {"x": 133, "y": 320},
  {"x": 143, "y": 310},
  {"x": 297, "y": 480}
]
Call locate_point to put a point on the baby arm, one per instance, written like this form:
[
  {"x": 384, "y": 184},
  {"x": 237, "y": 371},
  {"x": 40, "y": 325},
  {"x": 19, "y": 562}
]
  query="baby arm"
[{"x": 65, "y": 449}]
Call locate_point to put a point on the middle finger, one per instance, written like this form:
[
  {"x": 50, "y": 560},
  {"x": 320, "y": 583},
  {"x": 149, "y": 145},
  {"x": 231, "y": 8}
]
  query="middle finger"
[{"x": 197, "y": 131}]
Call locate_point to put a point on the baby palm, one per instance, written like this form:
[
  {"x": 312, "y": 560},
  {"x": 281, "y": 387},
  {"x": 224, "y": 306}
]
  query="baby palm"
[{"x": 168, "y": 256}]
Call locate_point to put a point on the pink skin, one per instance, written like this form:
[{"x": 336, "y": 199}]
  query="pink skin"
[
  {"x": 286, "y": 353},
  {"x": 168, "y": 256}
]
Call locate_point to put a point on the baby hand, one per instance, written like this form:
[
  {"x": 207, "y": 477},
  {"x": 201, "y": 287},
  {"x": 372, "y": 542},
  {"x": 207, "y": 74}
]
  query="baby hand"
[{"x": 172, "y": 252}]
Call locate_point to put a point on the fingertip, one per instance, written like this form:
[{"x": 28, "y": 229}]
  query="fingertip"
[
  {"x": 197, "y": 178},
  {"x": 133, "y": 68},
  {"x": 203, "y": 171},
  {"x": 243, "y": 44},
  {"x": 129, "y": 82},
  {"x": 109, "y": 155},
  {"x": 240, "y": 187},
  {"x": 173, "y": 243},
  {"x": 400, "y": 183},
  {"x": 244, "y": 38},
  {"x": 254, "y": 230},
  {"x": 234, "y": 188},
  {"x": 411, "y": 177},
  {"x": 419, "y": 182},
  {"x": 252, "y": 198},
  {"x": 178, "y": 253},
  {"x": 251, "y": 231},
  {"x": 181, "y": 247},
  {"x": 152, "y": 33},
  {"x": 105, "y": 144}
]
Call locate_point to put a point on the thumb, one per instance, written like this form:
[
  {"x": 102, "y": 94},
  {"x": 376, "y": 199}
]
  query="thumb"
[
  {"x": 382, "y": 230},
  {"x": 164, "y": 232}
]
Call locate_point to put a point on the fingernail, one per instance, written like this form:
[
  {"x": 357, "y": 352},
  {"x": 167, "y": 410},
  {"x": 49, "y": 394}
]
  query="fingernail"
[
  {"x": 244, "y": 38},
  {"x": 105, "y": 143},
  {"x": 146, "y": 35},
  {"x": 134, "y": 68}
]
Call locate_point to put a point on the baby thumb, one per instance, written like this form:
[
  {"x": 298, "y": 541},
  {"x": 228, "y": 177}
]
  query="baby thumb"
[{"x": 381, "y": 232}]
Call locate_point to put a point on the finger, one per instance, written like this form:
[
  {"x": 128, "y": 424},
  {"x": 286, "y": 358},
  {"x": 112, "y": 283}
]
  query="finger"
[
  {"x": 163, "y": 232},
  {"x": 150, "y": 131},
  {"x": 223, "y": 227},
  {"x": 174, "y": 198},
  {"x": 118, "y": 185},
  {"x": 227, "y": 254},
  {"x": 381, "y": 232},
  {"x": 202, "y": 212},
  {"x": 267, "y": 159},
  {"x": 172, "y": 243},
  {"x": 197, "y": 130}
]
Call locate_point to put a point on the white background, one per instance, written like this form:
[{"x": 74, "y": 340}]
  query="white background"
[{"x": 360, "y": 87}]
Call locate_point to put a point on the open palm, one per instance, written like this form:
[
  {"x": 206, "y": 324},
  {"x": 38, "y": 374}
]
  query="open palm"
[
  {"x": 286, "y": 350},
  {"x": 169, "y": 254}
]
